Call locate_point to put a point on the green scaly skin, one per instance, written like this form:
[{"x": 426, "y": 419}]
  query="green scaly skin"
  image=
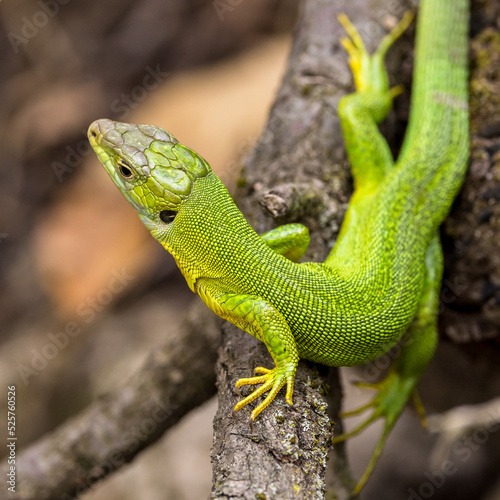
[{"x": 382, "y": 277}]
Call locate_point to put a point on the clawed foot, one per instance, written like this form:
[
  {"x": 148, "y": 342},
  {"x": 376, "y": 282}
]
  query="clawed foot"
[
  {"x": 272, "y": 381},
  {"x": 368, "y": 70},
  {"x": 393, "y": 393}
]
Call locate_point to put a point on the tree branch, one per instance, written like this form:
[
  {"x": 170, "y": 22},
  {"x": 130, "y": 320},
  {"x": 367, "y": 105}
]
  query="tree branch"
[
  {"x": 471, "y": 291},
  {"x": 174, "y": 379}
]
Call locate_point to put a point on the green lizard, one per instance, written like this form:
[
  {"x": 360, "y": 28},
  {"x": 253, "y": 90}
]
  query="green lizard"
[{"x": 382, "y": 277}]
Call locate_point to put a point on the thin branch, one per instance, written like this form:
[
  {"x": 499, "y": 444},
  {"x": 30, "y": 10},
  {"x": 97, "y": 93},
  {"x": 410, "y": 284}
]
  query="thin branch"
[{"x": 175, "y": 378}]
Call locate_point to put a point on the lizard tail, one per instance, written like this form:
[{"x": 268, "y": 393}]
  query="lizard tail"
[{"x": 434, "y": 155}]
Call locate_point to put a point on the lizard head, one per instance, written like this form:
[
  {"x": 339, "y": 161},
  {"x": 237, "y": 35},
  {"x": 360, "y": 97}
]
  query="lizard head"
[{"x": 149, "y": 166}]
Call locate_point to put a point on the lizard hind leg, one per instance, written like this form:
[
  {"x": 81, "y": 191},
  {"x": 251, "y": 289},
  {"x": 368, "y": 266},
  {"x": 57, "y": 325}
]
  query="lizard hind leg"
[
  {"x": 416, "y": 351},
  {"x": 361, "y": 112},
  {"x": 368, "y": 70},
  {"x": 393, "y": 393}
]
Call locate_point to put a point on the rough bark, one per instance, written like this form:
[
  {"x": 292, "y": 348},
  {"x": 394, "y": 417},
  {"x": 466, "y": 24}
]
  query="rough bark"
[
  {"x": 285, "y": 454},
  {"x": 471, "y": 292},
  {"x": 108, "y": 434}
]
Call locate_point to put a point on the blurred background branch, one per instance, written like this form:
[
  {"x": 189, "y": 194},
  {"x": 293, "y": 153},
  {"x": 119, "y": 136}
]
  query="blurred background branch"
[{"x": 174, "y": 379}]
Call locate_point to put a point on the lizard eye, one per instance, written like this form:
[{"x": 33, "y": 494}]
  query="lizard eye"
[
  {"x": 167, "y": 216},
  {"x": 124, "y": 169}
]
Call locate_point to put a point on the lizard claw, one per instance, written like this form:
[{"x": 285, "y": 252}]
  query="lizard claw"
[
  {"x": 368, "y": 70},
  {"x": 393, "y": 392},
  {"x": 272, "y": 381}
]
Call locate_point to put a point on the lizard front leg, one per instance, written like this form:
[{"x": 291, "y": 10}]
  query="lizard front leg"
[
  {"x": 289, "y": 240},
  {"x": 259, "y": 318}
]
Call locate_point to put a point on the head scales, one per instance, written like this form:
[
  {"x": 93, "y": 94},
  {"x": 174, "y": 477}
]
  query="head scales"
[{"x": 149, "y": 166}]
